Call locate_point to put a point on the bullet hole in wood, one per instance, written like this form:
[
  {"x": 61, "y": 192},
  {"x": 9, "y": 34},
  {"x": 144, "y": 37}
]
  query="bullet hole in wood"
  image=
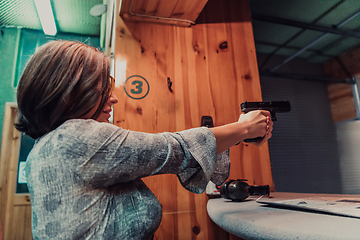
[
  {"x": 223, "y": 45},
  {"x": 169, "y": 83},
  {"x": 196, "y": 230},
  {"x": 139, "y": 110},
  {"x": 196, "y": 48},
  {"x": 247, "y": 76}
]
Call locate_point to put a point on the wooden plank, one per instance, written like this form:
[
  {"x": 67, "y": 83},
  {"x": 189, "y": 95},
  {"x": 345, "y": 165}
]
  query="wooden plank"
[
  {"x": 138, "y": 6},
  {"x": 165, "y": 8},
  {"x": 200, "y": 47},
  {"x": 188, "y": 9},
  {"x": 21, "y": 227},
  {"x": 340, "y": 95},
  {"x": 9, "y": 163},
  {"x": 22, "y": 200},
  {"x": 341, "y": 101},
  {"x": 12, "y": 178},
  {"x": 343, "y": 109},
  {"x": 5, "y": 164},
  {"x": 339, "y": 90}
]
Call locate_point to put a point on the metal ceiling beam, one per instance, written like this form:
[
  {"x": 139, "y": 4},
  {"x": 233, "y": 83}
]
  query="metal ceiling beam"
[
  {"x": 305, "y": 78},
  {"x": 320, "y": 38},
  {"x": 298, "y": 33},
  {"x": 313, "y": 51},
  {"x": 294, "y": 23}
]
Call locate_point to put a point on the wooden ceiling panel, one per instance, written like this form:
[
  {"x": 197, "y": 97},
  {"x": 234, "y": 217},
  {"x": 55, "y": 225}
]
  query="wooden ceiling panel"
[{"x": 171, "y": 12}]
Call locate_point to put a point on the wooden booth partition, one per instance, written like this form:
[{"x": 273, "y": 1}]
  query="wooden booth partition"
[
  {"x": 168, "y": 77},
  {"x": 15, "y": 208}
]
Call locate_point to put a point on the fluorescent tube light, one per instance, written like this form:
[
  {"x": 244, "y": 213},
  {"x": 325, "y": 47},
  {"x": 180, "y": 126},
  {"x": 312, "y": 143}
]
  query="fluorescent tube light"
[{"x": 46, "y": 16}]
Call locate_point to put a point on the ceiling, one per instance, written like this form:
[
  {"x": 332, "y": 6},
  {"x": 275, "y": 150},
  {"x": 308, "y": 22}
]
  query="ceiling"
[
  {"x": 72, "y": 16},
  {"x": 288, "y": 28},
  {"x": 294, "y": 29}
]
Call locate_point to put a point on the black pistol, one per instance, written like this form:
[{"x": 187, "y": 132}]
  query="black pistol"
[{"x": 273, "y": 107}]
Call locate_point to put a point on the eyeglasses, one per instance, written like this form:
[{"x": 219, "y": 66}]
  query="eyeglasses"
[{"x": 112, "y": 84}]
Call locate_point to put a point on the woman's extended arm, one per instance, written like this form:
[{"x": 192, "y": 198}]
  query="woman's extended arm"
[
  {"x": 251, "y": 125},
  {"x": 105, "y": 154}
]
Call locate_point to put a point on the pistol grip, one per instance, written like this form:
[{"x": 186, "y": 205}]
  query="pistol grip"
[
  {"x": 273, "y": 116},
  {"x": 253, "y": 139}
]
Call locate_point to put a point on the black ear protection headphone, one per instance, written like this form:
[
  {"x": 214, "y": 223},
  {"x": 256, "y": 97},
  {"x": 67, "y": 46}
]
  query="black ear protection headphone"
[{"x": 239, "y": 190}]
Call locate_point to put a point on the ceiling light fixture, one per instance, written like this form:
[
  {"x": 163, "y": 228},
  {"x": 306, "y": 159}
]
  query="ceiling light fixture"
[
  {"x": 46, "y": 16},
  {"x": 98, "y": 10}
]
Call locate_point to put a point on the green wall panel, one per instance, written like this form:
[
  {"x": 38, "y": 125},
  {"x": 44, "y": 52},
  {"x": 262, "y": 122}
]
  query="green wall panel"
[
  {"x": 16, "y": 47},
  {"x": 9, "y": 41}
]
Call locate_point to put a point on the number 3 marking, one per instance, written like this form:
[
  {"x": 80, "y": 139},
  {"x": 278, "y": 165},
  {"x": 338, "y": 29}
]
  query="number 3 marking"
[{"x": 138, "y": 87}]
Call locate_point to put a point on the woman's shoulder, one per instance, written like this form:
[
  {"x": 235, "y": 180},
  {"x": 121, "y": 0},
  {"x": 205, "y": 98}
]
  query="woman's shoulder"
[
  {"x": 89, "y": 124},
  {"x": 78, "y": 135},
  {"x": 88, "y": 128},
  {"x": 82, "y": 130}
]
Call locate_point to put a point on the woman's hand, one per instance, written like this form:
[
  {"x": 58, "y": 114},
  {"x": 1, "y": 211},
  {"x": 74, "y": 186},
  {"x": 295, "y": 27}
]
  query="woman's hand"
[
  {"x": 250, "y": 125},
  {"x": 258, "y": 124}
]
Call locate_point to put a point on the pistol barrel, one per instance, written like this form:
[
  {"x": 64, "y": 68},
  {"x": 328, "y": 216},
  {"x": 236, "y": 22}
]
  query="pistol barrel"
[{"x": 273, "y": 107}]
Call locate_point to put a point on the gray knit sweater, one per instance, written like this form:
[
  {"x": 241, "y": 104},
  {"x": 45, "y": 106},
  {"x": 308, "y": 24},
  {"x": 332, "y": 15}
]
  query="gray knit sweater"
[{"x": 84, "y": 178}]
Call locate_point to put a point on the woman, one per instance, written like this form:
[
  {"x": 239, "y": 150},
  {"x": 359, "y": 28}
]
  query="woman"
[{"x": 84, "y": 174}]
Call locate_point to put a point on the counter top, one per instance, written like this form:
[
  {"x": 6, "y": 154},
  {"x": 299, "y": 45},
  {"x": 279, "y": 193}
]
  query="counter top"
[{"x": 252, "y": 220}]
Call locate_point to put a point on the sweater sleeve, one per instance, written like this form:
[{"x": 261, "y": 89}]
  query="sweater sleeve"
[
  {"x": 202, "y": 146},
  {"x": 106, "y": 155}
]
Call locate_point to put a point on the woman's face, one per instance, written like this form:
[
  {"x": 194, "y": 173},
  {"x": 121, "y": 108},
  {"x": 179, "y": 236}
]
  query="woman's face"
[{"x": 105, "y": 114}]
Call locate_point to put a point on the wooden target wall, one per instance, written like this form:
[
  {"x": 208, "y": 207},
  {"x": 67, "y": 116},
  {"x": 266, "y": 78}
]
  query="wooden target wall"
[{"x": 168, "y": 77}]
